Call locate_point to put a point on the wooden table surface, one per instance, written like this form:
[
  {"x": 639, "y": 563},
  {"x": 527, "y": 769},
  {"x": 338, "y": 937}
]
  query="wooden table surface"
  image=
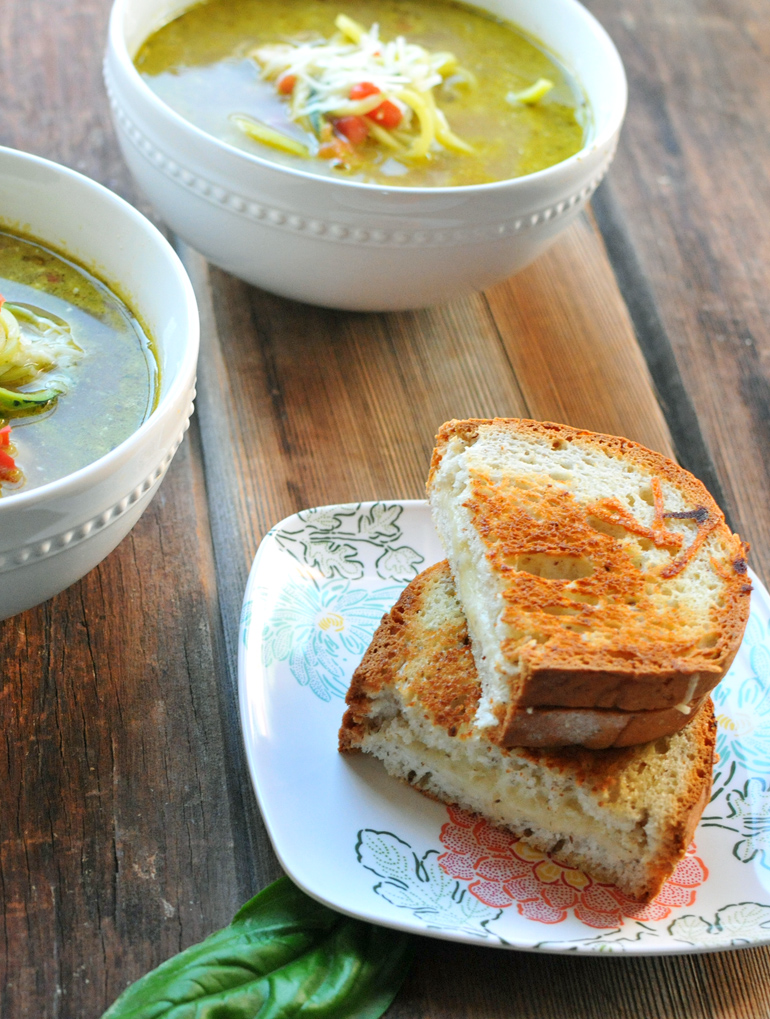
[{"x": 128, "y": 827}]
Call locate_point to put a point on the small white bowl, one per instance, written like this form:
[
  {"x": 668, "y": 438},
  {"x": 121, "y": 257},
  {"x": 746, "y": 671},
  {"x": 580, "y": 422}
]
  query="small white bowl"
[
  {"x": 360, "y": 246},
  {"x": 52, "y": 535}
]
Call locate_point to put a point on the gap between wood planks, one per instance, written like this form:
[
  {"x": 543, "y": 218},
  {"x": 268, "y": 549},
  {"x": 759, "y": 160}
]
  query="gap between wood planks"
[
  {"x": 571, "y": 342},
  {"x": 655, "y": 344}
]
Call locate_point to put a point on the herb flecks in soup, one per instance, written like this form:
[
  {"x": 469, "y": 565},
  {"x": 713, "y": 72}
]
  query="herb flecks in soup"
[
  {"x": 432, "y": 94},
  {"x": 77, "y": 372}
]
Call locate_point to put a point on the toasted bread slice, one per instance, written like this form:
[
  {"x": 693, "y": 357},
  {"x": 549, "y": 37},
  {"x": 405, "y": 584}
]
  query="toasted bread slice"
[
  {"x": 593, "y": 572},
  {"x": 622, "y": 816},
  {"x": 593, "y": 728}
]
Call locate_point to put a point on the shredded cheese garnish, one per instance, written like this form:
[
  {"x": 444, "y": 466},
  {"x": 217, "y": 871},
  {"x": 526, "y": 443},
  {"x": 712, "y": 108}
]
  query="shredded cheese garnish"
[{"x": 355, "y": 86}]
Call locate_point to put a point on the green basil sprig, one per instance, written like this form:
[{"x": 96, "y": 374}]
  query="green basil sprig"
[{"x": 284, "y": 954}]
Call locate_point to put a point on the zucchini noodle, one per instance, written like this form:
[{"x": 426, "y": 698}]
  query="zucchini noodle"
[
  {"x": 42, "y": 352},
  {"x": 387, "y": 88},
  {"x": 386, "y": 138},
  {"x": 349, "y": 28},
  {"x": 358, "y": 108},
  {"x": 422, "y": 107},
  {"x": 533, "y": 94},
  {"x": 447, "y": 137},
  {"x": 269, "y": 136}
]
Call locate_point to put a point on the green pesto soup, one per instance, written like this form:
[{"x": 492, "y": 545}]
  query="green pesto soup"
[
  {"x": 417, "y": 93},
  {"x": 78, "y": 374}
]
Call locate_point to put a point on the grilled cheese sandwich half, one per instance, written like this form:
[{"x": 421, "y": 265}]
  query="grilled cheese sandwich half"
[
  {"x": 593, "y": 573},
  {"x": 624, "y": 816}
]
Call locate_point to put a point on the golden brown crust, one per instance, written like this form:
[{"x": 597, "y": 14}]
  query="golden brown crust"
[
  {"x": 443, "y": 679},
  {"x": 597, "y": 770},
  {"x": 655, "y": 658},
  {"x": 452, "y": 691},
  {"x": 691, "y": 805}
]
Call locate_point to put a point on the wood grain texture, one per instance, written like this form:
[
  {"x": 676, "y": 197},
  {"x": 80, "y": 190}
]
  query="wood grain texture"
[
  {"x": 53, "y": 99},
  {"x": 302, "y": 406},
  {"x": 474, "y": 983},
  {"x": 116, "y": 833},
  {"x": 316, "y": 406},
  {"x": 691, "y": 186},
  {"x": 571, "y": 343}
]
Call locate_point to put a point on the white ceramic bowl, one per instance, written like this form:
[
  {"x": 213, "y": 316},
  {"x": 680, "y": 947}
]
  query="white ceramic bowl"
[
  {"x": 360, "y": 246},
  {"x": 52, "y": 535}
]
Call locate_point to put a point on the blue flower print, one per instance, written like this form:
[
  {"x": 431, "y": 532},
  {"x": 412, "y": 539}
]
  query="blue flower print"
[
  {"x": 323, "y": 628},
  {"x": 743, "y": 711}
]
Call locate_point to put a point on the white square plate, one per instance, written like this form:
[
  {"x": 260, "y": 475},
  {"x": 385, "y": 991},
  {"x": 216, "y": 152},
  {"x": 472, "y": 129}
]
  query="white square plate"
[{"x": 370, "y": 846}]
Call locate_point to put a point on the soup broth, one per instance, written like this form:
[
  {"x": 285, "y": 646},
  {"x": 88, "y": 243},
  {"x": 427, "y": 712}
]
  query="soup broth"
[
  {"x": 202, "y": 66},
  {"x": 107, "y": 384}
]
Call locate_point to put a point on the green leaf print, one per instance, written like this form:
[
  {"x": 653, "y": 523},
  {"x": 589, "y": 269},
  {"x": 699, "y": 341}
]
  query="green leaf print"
[
  {"x": 420, "y": 885},
  {"x": 732, "y": 925}
]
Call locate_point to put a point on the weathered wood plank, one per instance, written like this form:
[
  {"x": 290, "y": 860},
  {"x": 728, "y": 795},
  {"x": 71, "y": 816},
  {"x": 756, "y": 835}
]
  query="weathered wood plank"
[
  {"x": 54, "y": 104},
  {"x": 316, "y": 406},
  {"x": 333, "y": 406},
  {"x": 690, "y": 185},
  {"x": 474, "y": 983},
  {"x": 572, "y": 346},
  {"x": 302, "y": 406},
  {"x": 116, "y": 833},
  {"x": 691, "y": 449}
]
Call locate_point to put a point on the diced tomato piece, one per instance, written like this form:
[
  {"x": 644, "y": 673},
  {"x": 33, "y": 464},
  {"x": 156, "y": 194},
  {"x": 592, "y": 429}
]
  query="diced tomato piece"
[
  {"x": 387, "y": 114},
  {"x": 363, "y": 89},
  {"x": 286, "y": 83},
  {"x": 8, "y": 469},
  {"x": 355, "y": 129}
]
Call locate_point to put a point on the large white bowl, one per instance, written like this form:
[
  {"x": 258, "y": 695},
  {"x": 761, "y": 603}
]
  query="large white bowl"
[
  {"x": 350, "y": 245},
  {"x": 52, "y": 535}
]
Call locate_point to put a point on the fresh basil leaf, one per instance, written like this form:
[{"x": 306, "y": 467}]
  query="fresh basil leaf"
[{"x": 284, "y": 954}]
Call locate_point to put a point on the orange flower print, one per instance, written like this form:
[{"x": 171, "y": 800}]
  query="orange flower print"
[{"x": 503, "y": 870}]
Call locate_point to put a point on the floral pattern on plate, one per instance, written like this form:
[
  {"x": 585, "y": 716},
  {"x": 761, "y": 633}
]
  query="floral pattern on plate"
[
  {"x": 743, "y": 712},
  {"x": 419, "y": 884},
  {"x": 748, "y": 814},
  {"x": 320, "y": 583},
  {"x": 332, "y": 539},
  {"x": 319, "y": 626},
  {"x": 503, "y": 870},
  {"x": 435, "y": 888},
  {"x": 496, "y": 869},
  {"x": 733, "y": 926}
]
